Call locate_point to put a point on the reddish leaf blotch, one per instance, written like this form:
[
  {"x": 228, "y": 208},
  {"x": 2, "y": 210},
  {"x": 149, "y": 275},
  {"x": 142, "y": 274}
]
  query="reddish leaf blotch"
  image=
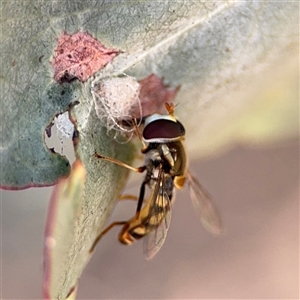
[
  {"x": 79, "y": 56},
  {"x": 154, "y": 94}
]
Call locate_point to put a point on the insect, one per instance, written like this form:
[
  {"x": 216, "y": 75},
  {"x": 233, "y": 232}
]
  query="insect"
[{"x": 166, "y": 169}]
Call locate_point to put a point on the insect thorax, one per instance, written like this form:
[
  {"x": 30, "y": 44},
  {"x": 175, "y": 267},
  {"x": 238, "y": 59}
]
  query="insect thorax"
[{"x": 171, "y": 156}]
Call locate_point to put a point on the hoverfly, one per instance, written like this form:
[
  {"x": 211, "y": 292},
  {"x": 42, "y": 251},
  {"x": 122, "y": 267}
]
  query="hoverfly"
[{"x": 166, "y": 169}]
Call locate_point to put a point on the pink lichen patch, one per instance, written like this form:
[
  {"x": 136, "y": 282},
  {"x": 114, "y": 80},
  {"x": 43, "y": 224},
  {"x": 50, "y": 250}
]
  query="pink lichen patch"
[
  {"x": 154, "y": 94},
  {"x": 79, "y": 56}
]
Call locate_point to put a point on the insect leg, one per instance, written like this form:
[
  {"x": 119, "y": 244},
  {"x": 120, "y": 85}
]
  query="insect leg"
[
  {"x": 141, "y": 199},
  {"x": 120, "y": 163},
  {"x": 138, "y": 133},
  {"x": 104, "y": 232},
  {"x": 128, "y": 197}
]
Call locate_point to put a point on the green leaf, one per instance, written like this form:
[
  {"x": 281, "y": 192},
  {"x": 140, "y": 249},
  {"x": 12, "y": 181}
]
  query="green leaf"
[
  {"x": 29, "y": 98},
  {"x": 64, "y": 209}
]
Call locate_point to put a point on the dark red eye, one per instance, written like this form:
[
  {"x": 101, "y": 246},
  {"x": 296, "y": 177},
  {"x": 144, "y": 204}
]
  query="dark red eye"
[{"x": 163, "y": 130}]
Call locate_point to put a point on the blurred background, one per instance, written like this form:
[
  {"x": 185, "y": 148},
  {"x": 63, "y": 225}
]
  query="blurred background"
[{"x": 257, "y": 192}]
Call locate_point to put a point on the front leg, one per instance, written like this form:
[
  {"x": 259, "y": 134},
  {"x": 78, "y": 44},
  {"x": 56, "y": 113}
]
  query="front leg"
[{"x": 120, "y": 163}]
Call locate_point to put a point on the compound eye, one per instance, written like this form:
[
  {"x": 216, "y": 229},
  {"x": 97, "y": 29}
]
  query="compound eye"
[{"x": 162, "y": 130}]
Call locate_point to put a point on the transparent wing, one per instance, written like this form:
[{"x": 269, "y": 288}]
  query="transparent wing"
[
  {"x": 159, "y": 218},
  {"x": 156, "y": 238},
  {"x": 205, "y": 209}
]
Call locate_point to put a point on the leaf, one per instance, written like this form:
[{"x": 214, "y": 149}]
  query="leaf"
[
  {"x": 25, "y": 113},
  {"x": 220, "y": 53},
  {"x": 92, "y": 206},
  {"x": 65, "y": 206},
  {"x": 29, "y": 99}
]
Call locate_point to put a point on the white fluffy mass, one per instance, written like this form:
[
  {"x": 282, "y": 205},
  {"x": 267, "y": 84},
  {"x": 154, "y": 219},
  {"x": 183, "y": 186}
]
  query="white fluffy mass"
[{"x": 114, "y": 100}]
